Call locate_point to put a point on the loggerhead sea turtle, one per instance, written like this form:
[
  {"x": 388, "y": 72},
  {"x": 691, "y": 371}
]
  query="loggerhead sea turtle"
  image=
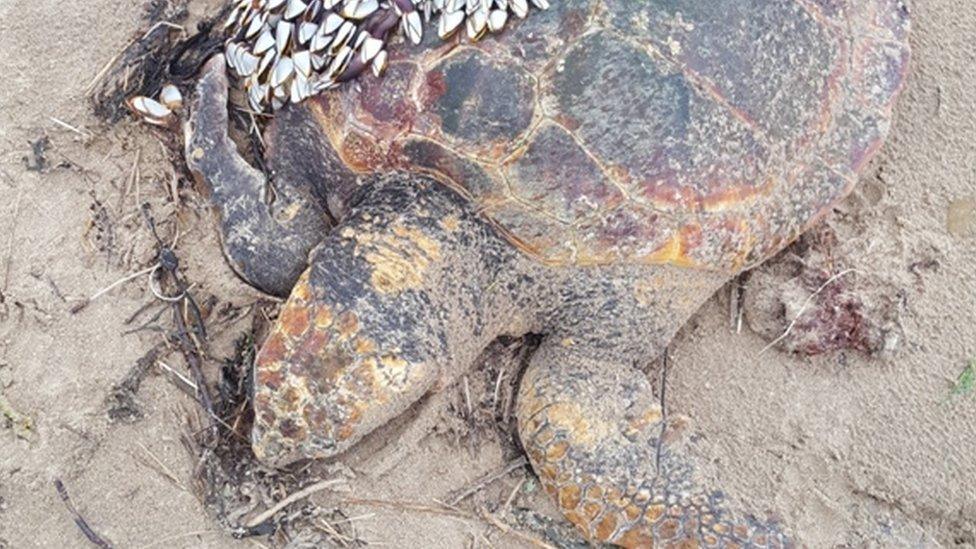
[{"x": 591, "y": 174}]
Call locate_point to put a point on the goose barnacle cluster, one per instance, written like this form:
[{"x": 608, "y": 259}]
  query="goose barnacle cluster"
[{"x": 285, "y": 51}]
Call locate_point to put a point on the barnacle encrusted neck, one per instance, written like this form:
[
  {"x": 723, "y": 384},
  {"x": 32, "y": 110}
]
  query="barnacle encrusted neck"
[{"x": 288, "y": 50}]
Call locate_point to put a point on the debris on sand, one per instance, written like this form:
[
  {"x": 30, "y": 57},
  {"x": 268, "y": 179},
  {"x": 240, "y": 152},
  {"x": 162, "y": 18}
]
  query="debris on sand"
[
  {"x": 123, "y": 405},
  {"x": 145, "y": 65},
  {"x": 22, "y": 425},
  {"x": 810, "y": 301},
  {"x": 966, "y": 382},
  {"x": 93, "y": 537},
  {"x": 35, "y": 159}
]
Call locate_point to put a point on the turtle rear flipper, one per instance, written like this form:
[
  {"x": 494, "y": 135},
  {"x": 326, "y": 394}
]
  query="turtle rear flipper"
[
  {"x": 266, "y": 244},
  {"x": 610, "y": 458}
]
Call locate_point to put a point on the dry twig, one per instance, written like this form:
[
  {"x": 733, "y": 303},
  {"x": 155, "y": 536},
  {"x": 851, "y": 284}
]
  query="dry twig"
[
  {"x": 497, "y": 523},
  {"x": 69, "y": 127},
  {"x": 80, "y": 521},
  {"x": 78, "y": 307},
  {"x": 484, "y": 516},
  {"x": 488, "y": 479},
  {"x": 297, "y": 496},
  {"x": 122, "y": 404}
]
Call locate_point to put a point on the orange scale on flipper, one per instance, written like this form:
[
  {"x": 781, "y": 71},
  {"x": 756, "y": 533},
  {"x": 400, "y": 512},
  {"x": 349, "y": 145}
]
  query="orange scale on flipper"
[{"x": 294, "y": 320}]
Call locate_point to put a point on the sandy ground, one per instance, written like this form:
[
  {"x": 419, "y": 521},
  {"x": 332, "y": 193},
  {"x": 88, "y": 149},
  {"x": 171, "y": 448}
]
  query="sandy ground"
[{"x": 850, "y": 450}]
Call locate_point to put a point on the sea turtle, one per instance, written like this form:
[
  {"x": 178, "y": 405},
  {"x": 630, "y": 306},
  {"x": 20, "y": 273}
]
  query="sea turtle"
[{"x": 592, "y": 174}]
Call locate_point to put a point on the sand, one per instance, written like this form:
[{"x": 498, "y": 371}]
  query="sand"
[{"x": 849, "y": 449}]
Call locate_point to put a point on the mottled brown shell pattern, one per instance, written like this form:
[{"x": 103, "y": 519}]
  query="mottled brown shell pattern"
[{"x": 699, "y": 133}]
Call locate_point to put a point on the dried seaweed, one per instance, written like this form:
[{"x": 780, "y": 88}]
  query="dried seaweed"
[
  {"x": 234, "y": 485},
  {"x": 164, "y": 52},
  {"x": 122, "y": 402}
]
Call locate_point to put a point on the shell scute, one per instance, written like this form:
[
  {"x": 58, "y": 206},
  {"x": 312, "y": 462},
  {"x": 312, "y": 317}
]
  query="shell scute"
[
  {"x": 626, "y": 232},
  {"x": 771, "y": 61},
  {"x": 533, "y": 231},
  {"x": 555, "y": 173},
  {"x": 879, "y": 70},
  {"x": 387, "y": 100},
  {"x": 675, "y": 147},
  {"x": 484, "y": 103},
  {"x": 462, "y": 173},
  {"x": 884, "y": 19},
  {"x": 810, "y": 192},
  {"x": 537, "y": 40}
]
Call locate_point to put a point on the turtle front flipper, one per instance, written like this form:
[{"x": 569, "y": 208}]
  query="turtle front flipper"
[
  {"x": 266, "y": 244},
  {"x": 403, "y": 293},
  {"x": 598, "y": 438}
]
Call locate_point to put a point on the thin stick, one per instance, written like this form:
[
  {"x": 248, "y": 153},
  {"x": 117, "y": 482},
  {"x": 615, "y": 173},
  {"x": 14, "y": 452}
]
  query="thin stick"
[
  {"x": 69, "y": 127},
  {"x": 421, "y": 508},
  {"x": 488, "y": 479},
  {"x": 80, "y": 521},
  {"x": 803, "y": 309},
  {"x": 409, "y": 506},
  {"x": 169, "y": 539},
  {"x": 467, "y": 397},
  {"x": 336, "y": 536},
  {"x": 77, "y": 308},
  {"x": 735, "y": 304},
  {"x": 8, "y": 261},
  {"x": 130, "y": 181},
  {"x": 498, "y": 390},
  {"x": 108, "y": 66},
  {"x": 297, "y": 496},
  {"x": 122, "y": 403},
  {"x": 168, "y": 24},
  {"x": 515, "y": 491},
  {"x": 191, "y": 353},
  {"x": 497, "y": 523},
  {"x": 181, "y": 377},
  {"x": 163, "y": 470}
]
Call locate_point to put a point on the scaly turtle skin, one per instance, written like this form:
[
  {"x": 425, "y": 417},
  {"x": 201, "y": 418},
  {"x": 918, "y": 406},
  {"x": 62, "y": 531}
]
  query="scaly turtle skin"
[{"x": 593, "y": 174}]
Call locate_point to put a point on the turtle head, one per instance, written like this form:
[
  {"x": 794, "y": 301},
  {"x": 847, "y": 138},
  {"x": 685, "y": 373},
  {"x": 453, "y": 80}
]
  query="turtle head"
[{"x": 403, "y": 294}]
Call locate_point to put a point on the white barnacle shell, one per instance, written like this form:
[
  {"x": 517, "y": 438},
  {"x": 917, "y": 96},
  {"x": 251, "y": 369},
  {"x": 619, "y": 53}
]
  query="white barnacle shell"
[
  {"x": 306, "y": 31},
  {"x": 448, "y": 23},
  {"x": 295, "y": 8},
  {"x": 150, "y": 110},
  {"x": 171, "y": 97},
  {"x": 288, "y": 50},
  {"x": 282, "y": 71}
]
